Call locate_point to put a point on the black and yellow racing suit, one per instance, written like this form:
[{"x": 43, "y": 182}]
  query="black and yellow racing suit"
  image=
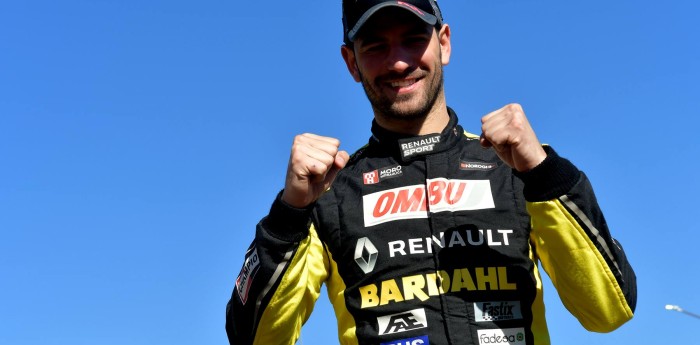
[{"x": 434, "y": 240}]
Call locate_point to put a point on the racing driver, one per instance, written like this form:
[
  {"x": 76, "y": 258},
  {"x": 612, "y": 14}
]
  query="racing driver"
[{"x": 428, "y": 234}]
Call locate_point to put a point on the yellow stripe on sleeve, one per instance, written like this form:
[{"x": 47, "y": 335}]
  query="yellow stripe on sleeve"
[
  {"x": 294, "y": 299},
  {"x": 585, "y": 283}
]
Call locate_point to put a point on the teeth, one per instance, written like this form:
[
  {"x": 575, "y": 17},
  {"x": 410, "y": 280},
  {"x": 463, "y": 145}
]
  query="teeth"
[{"x": 403, "y": 83}]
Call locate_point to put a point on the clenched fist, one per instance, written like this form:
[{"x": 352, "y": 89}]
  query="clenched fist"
[
  {"x": 313, "y": 164},
  {"x": 509, "y": 133}
]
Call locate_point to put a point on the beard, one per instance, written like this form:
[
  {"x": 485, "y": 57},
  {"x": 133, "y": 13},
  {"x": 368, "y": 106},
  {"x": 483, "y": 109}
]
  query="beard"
[{"x": 408, "y": 106}]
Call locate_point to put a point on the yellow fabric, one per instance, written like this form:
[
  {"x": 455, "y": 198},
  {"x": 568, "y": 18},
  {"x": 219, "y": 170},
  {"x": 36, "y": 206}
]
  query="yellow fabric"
[
  {"x": 336, "y": 294},
  {"x": 294, "y": 299},
  {"x": 585, "y": 283},
  {"x": 471, "y": 135},
  {"x": 539, "y": 323}
]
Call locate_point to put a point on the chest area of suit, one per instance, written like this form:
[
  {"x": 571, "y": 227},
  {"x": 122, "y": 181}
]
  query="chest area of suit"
[{"x": 464, "y": 205}]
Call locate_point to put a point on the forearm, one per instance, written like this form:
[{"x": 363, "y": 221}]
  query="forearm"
[
  {"x": 587, "y": 266},
  {"x": 280, "y": 280}
]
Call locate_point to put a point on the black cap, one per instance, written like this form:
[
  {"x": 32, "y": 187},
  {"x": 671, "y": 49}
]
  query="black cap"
[{"x": 357, "y": 12}]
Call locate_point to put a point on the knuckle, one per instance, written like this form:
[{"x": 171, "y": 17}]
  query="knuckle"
[
  {"x": 518, "y": 123},
  {"x": 294, "y": 152},
  {"x": 514, "y": 110},
  {"x": 296, "y": 161},
  {"x": 515, "y": 107},
  {"x": 299, "y": 139},
  {"x": 297, "y": 157}
]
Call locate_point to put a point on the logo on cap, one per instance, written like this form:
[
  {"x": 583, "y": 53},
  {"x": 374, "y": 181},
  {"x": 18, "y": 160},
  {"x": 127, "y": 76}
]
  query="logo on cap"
[{"x": 411, "y": 7}]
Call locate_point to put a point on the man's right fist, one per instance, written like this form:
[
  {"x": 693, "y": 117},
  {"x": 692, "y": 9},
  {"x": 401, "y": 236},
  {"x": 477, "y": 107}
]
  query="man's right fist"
[{"x": 313, "y": 164}]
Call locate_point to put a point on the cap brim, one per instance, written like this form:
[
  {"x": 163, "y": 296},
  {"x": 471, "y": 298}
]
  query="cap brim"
[{"x": 425, "y": 16}]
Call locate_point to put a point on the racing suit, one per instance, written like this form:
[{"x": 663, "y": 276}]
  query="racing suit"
[{"x": 434, "y": 240}]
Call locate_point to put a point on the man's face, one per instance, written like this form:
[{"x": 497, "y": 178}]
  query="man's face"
[{"x": 399, "y": 58}]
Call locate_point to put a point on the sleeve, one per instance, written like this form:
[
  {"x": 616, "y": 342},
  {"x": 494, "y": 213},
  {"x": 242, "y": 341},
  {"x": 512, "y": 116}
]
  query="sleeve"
[
  {"x": 280, "y": 281},
  {"x": 587, "y": 266}
]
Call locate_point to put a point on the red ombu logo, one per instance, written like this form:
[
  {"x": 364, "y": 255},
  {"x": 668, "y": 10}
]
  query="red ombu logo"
[
  {"x": 437, "y": 195},
  {"x": 371, "y": 177}
]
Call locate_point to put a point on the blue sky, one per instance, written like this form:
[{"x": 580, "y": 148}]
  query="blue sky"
[{"x": 142, "y": 141}]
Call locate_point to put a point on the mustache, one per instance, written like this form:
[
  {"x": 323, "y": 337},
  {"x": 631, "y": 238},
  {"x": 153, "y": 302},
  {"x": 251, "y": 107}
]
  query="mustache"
[{"x": 411, "y": 74}]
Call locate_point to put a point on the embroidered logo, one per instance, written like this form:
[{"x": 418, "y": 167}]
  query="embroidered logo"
[{"x": 376, "y": 176}]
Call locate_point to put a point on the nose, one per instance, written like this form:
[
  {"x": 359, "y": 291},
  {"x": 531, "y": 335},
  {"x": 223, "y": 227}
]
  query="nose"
[{"x": 398, "y": 59}]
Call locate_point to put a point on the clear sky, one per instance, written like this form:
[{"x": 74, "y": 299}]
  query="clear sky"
[{"x": 141, "y": 141}]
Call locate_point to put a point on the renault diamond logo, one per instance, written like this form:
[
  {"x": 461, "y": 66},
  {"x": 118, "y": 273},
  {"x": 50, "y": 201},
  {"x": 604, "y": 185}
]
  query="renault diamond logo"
[{"x": 365, "y": 255}]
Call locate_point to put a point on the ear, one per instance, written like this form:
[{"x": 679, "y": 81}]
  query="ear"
[
  {"x": 350, "y": 62},
  {"x": 445, "y": 45}
]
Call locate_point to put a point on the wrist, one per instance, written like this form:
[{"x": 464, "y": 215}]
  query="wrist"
[
  {"x": 535, "y": 160},
  {"x": 289, "y": 201},
  {"x": 550, "y": 179},
  {"x": 287, "y": 222}
]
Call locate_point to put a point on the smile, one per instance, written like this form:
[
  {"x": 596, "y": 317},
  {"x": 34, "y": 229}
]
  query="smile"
[{"x": 403, "y": 83}]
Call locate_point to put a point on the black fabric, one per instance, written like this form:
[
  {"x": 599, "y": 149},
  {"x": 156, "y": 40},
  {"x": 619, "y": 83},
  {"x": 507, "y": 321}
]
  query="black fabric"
[
  {"x": 398, "y": 227},
  {"x": 286, "y": 222},
  {"x": 357, "y": 12},
  {"x": 550, "y": 179}
]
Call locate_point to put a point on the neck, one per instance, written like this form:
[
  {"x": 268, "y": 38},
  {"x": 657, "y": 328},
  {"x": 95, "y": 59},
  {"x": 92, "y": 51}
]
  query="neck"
[{"x": 433, "y": 122}]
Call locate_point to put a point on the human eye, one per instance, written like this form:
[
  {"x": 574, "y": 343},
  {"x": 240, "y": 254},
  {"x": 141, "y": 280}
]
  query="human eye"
[
  {"x": 373, "y": 46},
  {"x": 417, "y": 39}
]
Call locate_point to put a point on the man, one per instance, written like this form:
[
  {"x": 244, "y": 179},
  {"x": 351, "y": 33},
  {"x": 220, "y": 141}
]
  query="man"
[{"x": 428, "y": 234}]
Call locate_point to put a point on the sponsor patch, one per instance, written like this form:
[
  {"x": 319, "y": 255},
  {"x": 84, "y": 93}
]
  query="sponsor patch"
[
  {"x": 376, "y": 176},
  {"x": 437, "y": 195},
  {"x": 460, "y": 237},
  {"x": 418, "y": 146},
  {"x": 510, "y": 336},
  {"x": 366, "y": 255},
  {"x": 424, "y": 286},
  {"x": 245, "y": 278},
  {"x": 402, "y": 322},
  {"x": 497, "y": 311},
  {"x": 422, "y": 340},
  {"x": 482, "y": 166}
]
